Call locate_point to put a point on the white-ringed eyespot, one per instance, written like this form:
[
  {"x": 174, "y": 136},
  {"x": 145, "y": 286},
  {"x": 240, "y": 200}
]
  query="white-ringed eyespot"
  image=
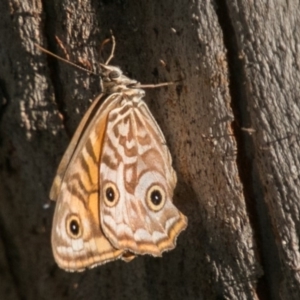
[
  {"x": 156, "y": 197},
  {"x": 73, "y": 225},
  {"x": 110, "y": 194}
]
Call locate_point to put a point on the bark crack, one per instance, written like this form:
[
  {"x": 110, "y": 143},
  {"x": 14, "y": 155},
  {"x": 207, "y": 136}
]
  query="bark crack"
[
  {"x": 4, "y": 100},
  {"x": 53, "y": 64},
  {"x": 9, "y": 249},
  {"x": 252, "y": 187}
]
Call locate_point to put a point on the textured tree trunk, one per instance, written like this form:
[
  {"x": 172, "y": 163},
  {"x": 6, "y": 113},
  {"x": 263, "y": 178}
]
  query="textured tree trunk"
[{"x": 231, "y": 125}]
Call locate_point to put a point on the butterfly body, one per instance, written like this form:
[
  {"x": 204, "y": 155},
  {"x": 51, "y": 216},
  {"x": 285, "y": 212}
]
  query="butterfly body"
[{"x": 115, "y": 183}]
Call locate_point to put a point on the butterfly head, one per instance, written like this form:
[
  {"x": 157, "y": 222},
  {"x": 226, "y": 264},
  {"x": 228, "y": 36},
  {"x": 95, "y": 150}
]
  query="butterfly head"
[{"x": 114, "y": 80}]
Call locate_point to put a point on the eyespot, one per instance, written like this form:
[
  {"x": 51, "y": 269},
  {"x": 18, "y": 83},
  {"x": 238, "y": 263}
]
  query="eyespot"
[
  {"x": 73, "y": 225},
  {"x": 114, "y": 74},
  {"x": 110, "y": 194},
  {"x": 156, "y": 197}
]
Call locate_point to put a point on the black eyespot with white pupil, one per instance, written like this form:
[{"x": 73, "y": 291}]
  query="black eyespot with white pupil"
[
  {"x": 73, "y": 226},
  {"x": 156, "y": 197},
  {"x": 110, "y": 194}
]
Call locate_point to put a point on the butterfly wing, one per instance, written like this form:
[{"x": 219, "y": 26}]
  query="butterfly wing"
[
  {"x": 55, "y": 189},
  {"x": 137, "y": 182},
  {"x": 77, "y": 239}
]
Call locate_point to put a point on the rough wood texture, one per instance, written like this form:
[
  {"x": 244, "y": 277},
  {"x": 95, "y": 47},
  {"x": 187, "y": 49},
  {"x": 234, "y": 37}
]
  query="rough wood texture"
[
  {"x": 231, "y": 126},
  {"x": 268, "y": 38}
]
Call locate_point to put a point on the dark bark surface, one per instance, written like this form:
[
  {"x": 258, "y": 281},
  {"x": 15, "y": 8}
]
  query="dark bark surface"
[{"x": 231, "y": 126}]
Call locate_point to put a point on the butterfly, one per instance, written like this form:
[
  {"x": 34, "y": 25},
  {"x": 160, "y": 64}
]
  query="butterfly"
[{"x": 114, "y": 185}]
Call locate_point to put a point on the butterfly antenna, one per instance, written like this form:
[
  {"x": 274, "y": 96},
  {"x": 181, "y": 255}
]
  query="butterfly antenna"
[
  {"x": 153, "y": 86},
  {"x": 157, "y": 85},
  {"x": 64, "y": 60},
  {"x": 112, "y": 53}
]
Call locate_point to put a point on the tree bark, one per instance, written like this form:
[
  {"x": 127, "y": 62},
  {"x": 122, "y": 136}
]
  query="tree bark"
[{"x": 231, "y": 126}]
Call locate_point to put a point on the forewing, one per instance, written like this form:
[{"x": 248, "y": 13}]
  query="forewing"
[{"x": 74, "y": 143}]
